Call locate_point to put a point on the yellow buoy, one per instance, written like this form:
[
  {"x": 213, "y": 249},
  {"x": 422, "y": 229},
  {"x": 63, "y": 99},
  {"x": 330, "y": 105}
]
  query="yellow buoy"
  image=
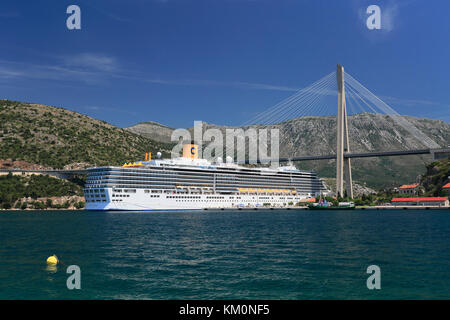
[{"x": 52, "y": 260}]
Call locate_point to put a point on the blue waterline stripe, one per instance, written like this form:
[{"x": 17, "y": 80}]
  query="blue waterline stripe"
[{"x": 144, "y": 210}]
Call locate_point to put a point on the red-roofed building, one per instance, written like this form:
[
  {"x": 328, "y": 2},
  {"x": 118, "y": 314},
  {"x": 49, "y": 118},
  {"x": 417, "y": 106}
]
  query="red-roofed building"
[
  {"x": 421, "y": 201},
  {"x": 447, "y": 188},
  {"x": 409, "y": 189}
]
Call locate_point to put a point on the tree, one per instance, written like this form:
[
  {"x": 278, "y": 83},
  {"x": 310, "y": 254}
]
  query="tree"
[
  {"x": 79, "y": 205},
  {"x": 39, "y": 205},
  {"x": 6, "y": 205}
]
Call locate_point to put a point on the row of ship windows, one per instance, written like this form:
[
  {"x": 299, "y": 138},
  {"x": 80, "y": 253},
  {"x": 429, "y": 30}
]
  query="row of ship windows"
[
  {"x": 173, "y": 167},
  {"x": 91, "y": 189},
  {"x": 210, "y": 183},
  {"x": 180, "y": 197},
  {"x": 233, "y": 201},
  {"x": 236, "y": 178},
  {"x": 150, "y": 185},
  {"x": 200, "y": 175},
  {"x": 88, "y": 196},
  {"x": 184, "y": 200},
  {"x": 183, "y": 197},
  {"x": 197, "y": 197},
  {"x": 225, "y": 180},
  {"x": 223, "y": 198},
  {"x": 143, "y": 177},
  {"x": 94, "y": 191},
  {"x": 206, "y": 174},
  {"x": 171, "y": 188}
]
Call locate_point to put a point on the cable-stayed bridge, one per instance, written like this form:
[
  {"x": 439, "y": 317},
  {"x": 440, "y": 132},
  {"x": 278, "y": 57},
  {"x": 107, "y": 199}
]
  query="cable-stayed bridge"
[{"x": 319, "y": 99}]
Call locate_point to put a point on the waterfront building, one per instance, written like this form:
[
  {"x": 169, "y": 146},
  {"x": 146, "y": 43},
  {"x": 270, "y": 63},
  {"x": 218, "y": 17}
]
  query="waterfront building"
[
  {"x": 421, "y": 201},
  {"x": 410, "y": 189},
  {"x": 447, "y": 188}
]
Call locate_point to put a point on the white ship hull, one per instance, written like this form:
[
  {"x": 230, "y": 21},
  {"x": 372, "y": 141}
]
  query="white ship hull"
[{"x": 142, "y": 201}]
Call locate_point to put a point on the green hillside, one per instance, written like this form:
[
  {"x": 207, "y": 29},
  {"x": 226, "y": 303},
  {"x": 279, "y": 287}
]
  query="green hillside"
[
  {"x": 56, "y": 137},
  {"x": 436, "y": 176},
  {"x": 14, "y": 187}
]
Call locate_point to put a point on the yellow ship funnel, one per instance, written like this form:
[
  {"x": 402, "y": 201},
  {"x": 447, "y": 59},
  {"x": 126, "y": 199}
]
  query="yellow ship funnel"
[
  {"x": 190, "y": 151},
  {"x": 148, "y": 156}
]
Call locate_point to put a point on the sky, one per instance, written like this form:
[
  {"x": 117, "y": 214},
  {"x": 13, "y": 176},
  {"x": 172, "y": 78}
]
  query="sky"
[{"x": 219, "y": 61}]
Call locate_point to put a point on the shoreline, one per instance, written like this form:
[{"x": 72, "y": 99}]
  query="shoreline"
[
  {"x": 51, "y": 209},
  {"x": 261, "y": 208},
  {"x": 356, "y": 208}
]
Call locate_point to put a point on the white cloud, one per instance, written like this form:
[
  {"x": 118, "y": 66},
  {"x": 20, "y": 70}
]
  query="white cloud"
[
  {"x": 19, "y": 71},
  {"x": 389, "y": 17},
  {"x": 94, "y": 68},
  {"x": 413, "y": 102},
  {"x": 7, "y": 73},
  {"x": 91, "y": 61}
]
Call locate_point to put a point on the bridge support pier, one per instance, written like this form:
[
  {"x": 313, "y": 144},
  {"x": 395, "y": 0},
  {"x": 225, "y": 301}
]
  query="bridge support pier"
[{"x": 343, "y": 165}]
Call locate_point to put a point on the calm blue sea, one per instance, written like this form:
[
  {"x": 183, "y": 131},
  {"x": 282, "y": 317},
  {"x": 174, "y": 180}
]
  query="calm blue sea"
[{"x": 226, "y": 254}]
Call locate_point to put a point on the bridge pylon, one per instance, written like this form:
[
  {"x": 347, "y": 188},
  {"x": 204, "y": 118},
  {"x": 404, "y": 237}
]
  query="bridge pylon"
[{"x": 343, "y": 165}]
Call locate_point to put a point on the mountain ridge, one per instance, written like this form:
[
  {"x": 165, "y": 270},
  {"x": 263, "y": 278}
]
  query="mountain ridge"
[{"x": 316, "y": 135}]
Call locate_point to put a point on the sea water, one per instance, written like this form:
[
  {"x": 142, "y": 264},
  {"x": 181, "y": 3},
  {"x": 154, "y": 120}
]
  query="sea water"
[{"x": 260, "y": 254}]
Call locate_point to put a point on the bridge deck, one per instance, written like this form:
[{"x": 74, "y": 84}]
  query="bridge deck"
[{"x": 361, "y": 155}]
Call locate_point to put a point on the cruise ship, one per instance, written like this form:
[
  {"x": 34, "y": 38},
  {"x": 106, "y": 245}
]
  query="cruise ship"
[{"x": 190, "y": 183}]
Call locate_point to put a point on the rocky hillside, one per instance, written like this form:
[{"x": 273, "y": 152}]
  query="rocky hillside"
[
  {"x": 152, "y": 130},
  {"x": 56, "y": 137},
  {"x": 368, "y": 132}
]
